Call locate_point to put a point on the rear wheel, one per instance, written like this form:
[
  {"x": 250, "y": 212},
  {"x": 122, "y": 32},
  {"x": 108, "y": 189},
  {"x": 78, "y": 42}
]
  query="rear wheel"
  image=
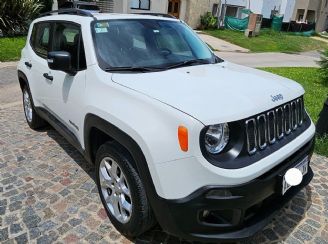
[
  {"x": 32, "y": 118},
  {"x": 121, "y": 191}
]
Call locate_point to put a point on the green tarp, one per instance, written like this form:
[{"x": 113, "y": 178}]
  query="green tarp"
[
  {"x": 305, "y": 33},
  {"x": 235, "y": 23},
  {"x": 277, "y": 23}
]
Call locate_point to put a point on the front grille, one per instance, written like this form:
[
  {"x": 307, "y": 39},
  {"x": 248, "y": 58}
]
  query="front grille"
[{"x": 269, "y": 127}]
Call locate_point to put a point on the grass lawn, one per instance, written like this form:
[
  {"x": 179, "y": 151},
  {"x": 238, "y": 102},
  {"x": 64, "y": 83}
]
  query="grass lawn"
[
  {"x": 270, "y": 41},
  {"x": 315, "y": 95},
  {"x": 10, "y": 48}
]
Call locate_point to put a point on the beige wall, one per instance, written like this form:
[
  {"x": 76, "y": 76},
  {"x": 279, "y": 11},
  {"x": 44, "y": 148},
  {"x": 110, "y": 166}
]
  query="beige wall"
[
  {"x": 322, "y": 22},
  {"x": 196, "y": 8}
]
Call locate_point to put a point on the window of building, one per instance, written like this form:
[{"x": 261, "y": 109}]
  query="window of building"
[
  {"x": 300, "y": 15},
  {"x": 310, "y": 17},
  {"x": 215, "y": 10},
  {"x": 232, "y": 11},
  {"x": 140, "y": 4}
]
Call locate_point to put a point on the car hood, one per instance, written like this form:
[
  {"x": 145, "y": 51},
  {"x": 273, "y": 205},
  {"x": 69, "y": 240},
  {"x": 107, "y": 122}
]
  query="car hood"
[{"x": 214, "y": 93}]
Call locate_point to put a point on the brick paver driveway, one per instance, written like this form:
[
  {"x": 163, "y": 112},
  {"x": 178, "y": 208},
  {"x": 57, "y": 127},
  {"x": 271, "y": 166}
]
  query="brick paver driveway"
[{"x": 47, "y": 194}]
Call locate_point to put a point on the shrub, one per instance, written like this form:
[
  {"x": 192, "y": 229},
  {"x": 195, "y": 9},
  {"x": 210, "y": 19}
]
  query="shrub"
[
  {"x": 324, "y": 66},
  {"x": 208, "y": 21},
  {"x": 16, "y": 14}
]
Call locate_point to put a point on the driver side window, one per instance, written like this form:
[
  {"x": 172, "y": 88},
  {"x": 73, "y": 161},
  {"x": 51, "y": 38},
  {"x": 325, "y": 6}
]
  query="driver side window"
[{"x": 68, "y": 38}]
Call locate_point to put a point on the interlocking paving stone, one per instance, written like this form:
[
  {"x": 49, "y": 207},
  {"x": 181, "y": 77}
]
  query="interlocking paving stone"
[{"x": 48, "y": 195}]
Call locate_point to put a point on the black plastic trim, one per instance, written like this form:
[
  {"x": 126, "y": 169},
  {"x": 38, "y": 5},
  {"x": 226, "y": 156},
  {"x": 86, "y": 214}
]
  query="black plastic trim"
[
  {"x": 93, "y": 121},
  {"x": 60, "y": 127},
  {"x": 72, "y": 11}
]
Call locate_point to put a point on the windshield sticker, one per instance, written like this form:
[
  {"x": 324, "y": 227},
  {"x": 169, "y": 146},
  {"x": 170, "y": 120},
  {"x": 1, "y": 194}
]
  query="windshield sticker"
[
  {"x": 102, "y": 25},
  {"x": 101, "y": 30}
]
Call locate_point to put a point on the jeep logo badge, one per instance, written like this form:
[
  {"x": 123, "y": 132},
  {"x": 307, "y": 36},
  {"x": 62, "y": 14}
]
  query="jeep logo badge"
[{"x": 277, "y": 97}]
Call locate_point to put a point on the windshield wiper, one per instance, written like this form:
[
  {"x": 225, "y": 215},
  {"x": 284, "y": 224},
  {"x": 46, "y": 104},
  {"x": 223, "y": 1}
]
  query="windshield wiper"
[
  {"x": 133, "y": 69},
  {"x": 189, "y": 63}
]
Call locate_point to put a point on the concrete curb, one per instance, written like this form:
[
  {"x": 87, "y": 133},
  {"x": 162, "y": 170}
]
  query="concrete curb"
[{"x": 8, "y": 64}]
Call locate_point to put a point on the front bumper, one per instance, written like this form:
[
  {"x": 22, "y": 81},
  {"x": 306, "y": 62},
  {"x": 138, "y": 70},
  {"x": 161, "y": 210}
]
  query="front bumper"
[{"x": 231, "y": 213}]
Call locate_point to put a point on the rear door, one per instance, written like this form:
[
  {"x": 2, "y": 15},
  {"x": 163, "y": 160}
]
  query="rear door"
[{"x": 40, "y": 44}]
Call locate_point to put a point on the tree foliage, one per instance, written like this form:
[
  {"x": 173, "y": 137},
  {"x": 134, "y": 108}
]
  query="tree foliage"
[
  {"x": 15, "y": 15},
  {"x": 208, "y": 21}
]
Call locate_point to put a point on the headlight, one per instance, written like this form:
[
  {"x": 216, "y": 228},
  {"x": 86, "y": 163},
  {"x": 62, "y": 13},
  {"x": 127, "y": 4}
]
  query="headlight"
[{"x": 216, "y": 138}]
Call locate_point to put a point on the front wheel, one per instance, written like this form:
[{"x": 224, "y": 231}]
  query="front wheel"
[{"x": 121, "y": 191}]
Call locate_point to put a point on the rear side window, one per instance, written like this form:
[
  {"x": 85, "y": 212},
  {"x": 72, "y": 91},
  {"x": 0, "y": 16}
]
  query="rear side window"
[{"x": 40, "y": 39}]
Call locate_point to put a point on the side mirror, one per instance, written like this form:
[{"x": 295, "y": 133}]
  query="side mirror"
[{"x": 60, "y": 60}]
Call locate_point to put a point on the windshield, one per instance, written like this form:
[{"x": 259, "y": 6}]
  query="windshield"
[{"x": 150, "y": 43}]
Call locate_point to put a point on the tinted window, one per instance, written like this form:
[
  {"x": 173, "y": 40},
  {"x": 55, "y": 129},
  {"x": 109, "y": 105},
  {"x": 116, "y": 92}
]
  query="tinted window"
[
  {"x": 66, "y": 5},
  {"x": 40, "y": 39},
  {"x": 67, "y": 37},
  {"x": 88, "y": 7}
]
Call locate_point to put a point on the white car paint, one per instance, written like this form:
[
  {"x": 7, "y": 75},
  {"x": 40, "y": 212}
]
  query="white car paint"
[{"x": 149, "y": 107}]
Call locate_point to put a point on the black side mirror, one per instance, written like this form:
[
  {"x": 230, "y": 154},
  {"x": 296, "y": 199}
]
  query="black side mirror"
[{"x": 60, "y": 60}]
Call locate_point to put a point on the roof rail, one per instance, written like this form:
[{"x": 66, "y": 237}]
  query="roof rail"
[
  {"x": 159, "y": 15},
  {"x": 73, "y": 11}
]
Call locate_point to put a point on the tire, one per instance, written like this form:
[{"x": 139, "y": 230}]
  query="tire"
[
  {"x": 140, "y": 218},
  {"x": 32, "y": 118}
]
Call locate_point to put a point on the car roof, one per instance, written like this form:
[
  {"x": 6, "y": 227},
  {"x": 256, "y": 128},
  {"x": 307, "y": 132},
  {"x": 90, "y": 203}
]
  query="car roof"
[{"x": 100, "y": 16}]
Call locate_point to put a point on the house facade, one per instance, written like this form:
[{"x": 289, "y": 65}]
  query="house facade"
[
  {"x": 233, "y": 8},
  {"x": 186, "y": 10},
  {"x": 303, "y": 11},
  {"x": 312, "y": 11}
]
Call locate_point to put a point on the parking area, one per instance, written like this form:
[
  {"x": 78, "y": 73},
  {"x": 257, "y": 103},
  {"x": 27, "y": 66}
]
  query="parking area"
[{"x": 48, "y": 194}]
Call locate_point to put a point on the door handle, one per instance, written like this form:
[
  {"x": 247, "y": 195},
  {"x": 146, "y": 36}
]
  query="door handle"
[
  {"x": 48, "y": 77},
  {"x": 28, "y": 64}
]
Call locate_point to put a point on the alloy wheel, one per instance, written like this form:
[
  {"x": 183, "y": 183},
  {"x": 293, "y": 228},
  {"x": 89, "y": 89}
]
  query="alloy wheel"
[
  {"x": 27, "y": 106},
  {"x": 115, "y": 190}
]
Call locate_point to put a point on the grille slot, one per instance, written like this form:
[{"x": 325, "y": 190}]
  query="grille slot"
[
  {"x": 287, "y": 121},
  {"x": 280, "y": 122},
  {"x": 267, "y": 128},
  {"x": 251, "y": 136},
  {"x": 262, "y": 131},
  {"x": 293, "y": 106},
  {"x": 271, "y": 120}
]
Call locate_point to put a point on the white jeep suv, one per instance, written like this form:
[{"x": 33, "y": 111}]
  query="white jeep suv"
[{"x": 177, "y": 135}]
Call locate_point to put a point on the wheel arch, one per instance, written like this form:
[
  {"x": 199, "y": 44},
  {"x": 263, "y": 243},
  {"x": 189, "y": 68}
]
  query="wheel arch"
[
  {"x": 94, "y": 123},
  {"x": 23, "y": 81}
]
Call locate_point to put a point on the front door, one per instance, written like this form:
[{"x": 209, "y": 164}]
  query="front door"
[
  {"x": 68, "y": 91},
  {"x": 174, "y": 8}
]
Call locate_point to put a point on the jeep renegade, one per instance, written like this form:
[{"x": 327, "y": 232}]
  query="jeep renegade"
[{"x": 177, "y": 135}]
